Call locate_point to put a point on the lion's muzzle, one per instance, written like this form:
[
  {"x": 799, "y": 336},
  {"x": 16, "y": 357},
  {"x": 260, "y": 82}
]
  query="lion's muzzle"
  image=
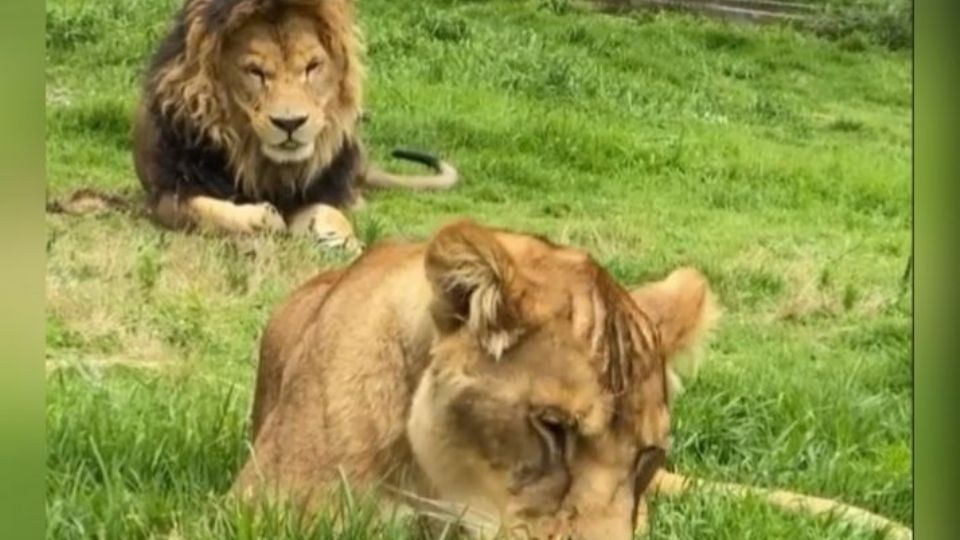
[{"x": 290, "y": 124}]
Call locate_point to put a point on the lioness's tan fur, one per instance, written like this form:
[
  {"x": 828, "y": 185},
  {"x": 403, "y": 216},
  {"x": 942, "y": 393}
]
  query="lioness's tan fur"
[
  {"x": 369, "y": 369},
  {"x": 364, "y": 371}
]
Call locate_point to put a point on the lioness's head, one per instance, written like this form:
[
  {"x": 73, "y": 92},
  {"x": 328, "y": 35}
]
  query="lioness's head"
[
  {"x": 546, "y": 400},
  {"x": 279, "y": 78}
]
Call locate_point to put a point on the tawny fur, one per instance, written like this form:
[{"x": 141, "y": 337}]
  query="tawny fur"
[
  {"x": 372, "y": 370},
  {"x": 248, "y": 122},
  {"x": 191, "y": 89}
]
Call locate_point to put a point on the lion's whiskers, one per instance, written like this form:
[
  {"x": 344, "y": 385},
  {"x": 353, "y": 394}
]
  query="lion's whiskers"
[{"x": 475, "y": 522}]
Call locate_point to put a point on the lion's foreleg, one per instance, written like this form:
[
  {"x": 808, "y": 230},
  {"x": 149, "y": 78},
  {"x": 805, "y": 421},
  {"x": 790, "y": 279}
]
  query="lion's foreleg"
[{"x": 224, "y": 216}]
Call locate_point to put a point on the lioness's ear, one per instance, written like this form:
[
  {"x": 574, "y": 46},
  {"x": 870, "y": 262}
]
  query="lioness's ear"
[
  {"x": 682, "y": 307},
  {"x": 475, "y": 283}
]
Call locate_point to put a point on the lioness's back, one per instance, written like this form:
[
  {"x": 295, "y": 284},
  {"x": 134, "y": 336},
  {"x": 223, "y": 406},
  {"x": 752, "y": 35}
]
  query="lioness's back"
[{"x": 338, "y": 306}]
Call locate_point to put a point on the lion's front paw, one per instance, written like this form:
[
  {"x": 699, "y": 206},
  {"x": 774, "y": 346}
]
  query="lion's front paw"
[
  {"x": 328, "y": 226},
  {"x": 260, "y": 217},
  {"x": 338, "y": 240},
  {"x": 224, "y": 216}
]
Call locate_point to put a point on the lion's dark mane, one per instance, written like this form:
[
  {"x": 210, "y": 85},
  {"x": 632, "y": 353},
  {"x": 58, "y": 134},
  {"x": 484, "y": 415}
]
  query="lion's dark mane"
[{"x": 187, "y": 162}]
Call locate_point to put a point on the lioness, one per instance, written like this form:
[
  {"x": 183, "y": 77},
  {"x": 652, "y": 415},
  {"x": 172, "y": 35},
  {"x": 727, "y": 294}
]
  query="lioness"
[
  {"x": 483, "y": 368},
  {"x": 486, "y": 368},
  {"x": 248, "y": 120}
]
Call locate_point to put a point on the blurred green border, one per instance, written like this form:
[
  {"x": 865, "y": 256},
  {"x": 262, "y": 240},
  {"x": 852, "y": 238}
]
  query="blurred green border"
[
  {"x": 936, "y": 192},
  {"x": 22, "y": 263}
]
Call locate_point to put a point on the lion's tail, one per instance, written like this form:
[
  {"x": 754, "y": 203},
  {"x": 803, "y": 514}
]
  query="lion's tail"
[
  {"x": 90, "y": 201},
  {"x": 446, "y": 175},
  {"x": 671, "y": 484}
]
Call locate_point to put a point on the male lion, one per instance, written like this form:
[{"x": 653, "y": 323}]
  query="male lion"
[
  {"x": 483, "y": 368},
  {"x": 248, "y": 121}
]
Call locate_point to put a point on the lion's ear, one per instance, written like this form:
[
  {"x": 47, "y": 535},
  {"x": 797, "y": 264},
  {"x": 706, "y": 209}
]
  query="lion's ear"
[
  {"x": 476, "y": 284},
  {"x": 681, "y": 306}
]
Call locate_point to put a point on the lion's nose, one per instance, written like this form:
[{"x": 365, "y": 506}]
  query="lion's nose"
[{"x": 289, "y": 124}]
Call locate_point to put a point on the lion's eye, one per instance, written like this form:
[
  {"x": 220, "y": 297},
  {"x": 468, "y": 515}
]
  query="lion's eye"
[
  {"x": 313, "y": 66},
  {"x": 257, "y": 72}
]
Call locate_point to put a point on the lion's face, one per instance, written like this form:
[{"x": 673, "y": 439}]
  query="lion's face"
[
  {"x": 283, "y": 79},
  {"x": 546, "y": 398}
]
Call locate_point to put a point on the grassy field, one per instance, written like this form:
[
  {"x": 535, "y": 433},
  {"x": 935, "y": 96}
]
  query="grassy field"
[{"x": 776, "y": 161}]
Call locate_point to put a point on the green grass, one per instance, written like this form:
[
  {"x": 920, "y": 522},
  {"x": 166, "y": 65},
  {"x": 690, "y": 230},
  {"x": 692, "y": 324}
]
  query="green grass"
[{"x": 777, "y": 161}]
